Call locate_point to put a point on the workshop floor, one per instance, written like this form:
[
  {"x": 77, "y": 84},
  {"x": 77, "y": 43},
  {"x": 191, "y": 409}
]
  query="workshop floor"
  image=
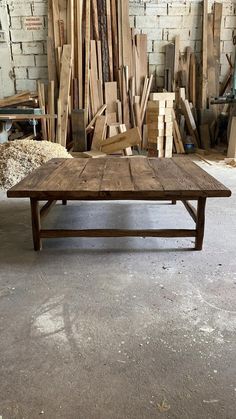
[{"x": 119, "y": 328}]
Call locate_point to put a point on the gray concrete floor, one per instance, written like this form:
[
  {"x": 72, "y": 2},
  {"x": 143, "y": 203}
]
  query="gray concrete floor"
[{"x": 119, "y": 328}]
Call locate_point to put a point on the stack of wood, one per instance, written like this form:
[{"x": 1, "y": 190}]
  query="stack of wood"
[
  {"x": 25, "y": 98},
  {"x": 194, "y": 108},
  {"x": 96, "y": 64},
  {"x": 160, "y": 124}
]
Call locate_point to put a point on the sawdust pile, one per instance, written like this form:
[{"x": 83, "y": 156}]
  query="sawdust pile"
[{"x": 21, "y": 157}]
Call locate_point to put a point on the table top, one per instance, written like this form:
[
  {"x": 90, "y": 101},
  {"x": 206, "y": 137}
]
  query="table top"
[{"x": 119, "y": 178}]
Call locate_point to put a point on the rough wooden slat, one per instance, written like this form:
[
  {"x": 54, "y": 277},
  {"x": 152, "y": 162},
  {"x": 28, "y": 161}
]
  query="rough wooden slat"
[
  {"x": 117, "y": 176},
  {"x": 171, "y": 233},
  {"x": 79, "y": 179},
  {"x": 205, "y": 182},
  {"x": 143, "y": 175},
  {"x": 172, "y": 177}
]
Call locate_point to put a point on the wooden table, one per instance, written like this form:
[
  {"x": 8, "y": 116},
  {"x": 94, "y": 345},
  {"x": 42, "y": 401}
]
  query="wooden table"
[{"x": 111, "y": 178}]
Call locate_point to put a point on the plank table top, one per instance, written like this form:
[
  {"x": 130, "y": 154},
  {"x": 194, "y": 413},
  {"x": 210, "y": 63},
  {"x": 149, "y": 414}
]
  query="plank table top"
[{"x": 119, "y": 178}]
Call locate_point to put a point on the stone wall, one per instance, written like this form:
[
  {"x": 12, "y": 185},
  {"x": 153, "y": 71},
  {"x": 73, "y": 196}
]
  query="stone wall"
[{"x": 160, "y": 19}]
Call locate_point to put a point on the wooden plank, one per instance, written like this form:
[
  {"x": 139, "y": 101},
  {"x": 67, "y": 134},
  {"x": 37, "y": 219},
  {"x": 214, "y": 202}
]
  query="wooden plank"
[
  {"x": 169, "y": 66},
  {"x": 167, "y": 233},
  {"x": 32, "y": 181},
  {"x": 203, "y": 181},
  {"x": 81, "y": 179},
  {"x": 51, "y": 106},
  {"x": 143, "y": 175},
  {"x": 79, "y": 136},
  {"x": 41, "y": 95},
  {"x": 185, "y": 107},
  {"x": 92, "y": 122},
  {"x": 122, "y": 141},
  {"x": 58, "y": 134},
  {"x": 140, "y": 61},
  {"x": 172, "y": 177},
  {"x": 143, "y": 110},
  {"x": 115, "y": 38},
  {"x": 99, "y": 133},
  {"x": 109, "y": 37},
  {"x": 162, "y": 96},
  {"x": 232, "y": 139},
  {"x": 94, "y": 11},
  {"x": 192, "y": 80},
  {"x": 116, "y": 176},
  {"x": 211, "y": 64},
  {"x": 218, "y": 12},
  {"x": 176, "y": 57},
  {"x": 64, "y": 91},
  {"x": 111, "y": 101},
  {"x": 79, "y": 14},
  {"x": 103, "y": 37},
  {"x": 204, "y": 56},
  {"x": 87, "y": 58}
]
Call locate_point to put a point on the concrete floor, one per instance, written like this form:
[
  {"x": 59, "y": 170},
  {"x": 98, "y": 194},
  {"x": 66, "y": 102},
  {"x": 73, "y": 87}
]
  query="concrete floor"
[{"x": 119, "y": 328}]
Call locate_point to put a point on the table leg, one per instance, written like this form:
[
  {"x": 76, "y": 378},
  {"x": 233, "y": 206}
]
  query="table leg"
[
  {"x": 36, "y": 224},
  {"x": 200, "y": 225},
  {"x": 64, "y": 202}
]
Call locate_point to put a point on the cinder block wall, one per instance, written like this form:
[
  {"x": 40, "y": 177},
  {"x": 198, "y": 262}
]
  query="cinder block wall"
[
  {"x": 160, "y": 19},
  {"x": 29, "y": 42}
]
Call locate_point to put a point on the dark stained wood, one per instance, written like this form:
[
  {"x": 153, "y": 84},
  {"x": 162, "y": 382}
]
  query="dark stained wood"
[
  {"x": 32, "y": 181},
  {"x": 47, "y": 234},
  {"x": 79, "y": 136},
  {"x": 206, "y": 183},
  {"x": 119, "y": 178},
  {"x": 200, "y": 227},
  {"x": 172, "y": 177},
  {"x": 47, "y": 208},
  {"x": 36, "y": 224},
  {"x": 143, "y": 175},
  {"x": 191, "y": 210}
]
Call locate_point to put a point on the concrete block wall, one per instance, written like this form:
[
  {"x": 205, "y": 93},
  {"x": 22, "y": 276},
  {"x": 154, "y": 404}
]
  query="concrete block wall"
[
  {"x": 160, "y": 19},
  {"x": 28, "y": 34}
]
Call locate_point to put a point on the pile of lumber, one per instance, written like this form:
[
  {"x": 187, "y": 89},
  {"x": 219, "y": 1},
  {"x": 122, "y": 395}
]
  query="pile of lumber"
[
  {"x": 97, "y": 66},
  {"x": 196, "y": 119},
  {"x": 160, "y": 124},
  {"x": 25, "y": 98}
]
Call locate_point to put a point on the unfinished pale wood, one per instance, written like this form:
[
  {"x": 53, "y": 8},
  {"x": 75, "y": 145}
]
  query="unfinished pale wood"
[
  {"x": 64, "y": 90},
  {"x": 79, "y": 137},
  {"x": 162, "y": 96},
  {"x": 92, "y": 122},
  {"x": 99, "y": 133},
  {"x": 204, "y": 56},
  {"x": 121, "y": 141},
  {"x": 41, "y": 95},
  {"x": 232, "y": 139},
  {"x": 87, "y": 57}
]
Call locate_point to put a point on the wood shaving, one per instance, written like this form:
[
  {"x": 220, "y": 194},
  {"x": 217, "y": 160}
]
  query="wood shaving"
[
  {"x": 21, "y": 157},
  {"x": 163, "y": 406}
]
